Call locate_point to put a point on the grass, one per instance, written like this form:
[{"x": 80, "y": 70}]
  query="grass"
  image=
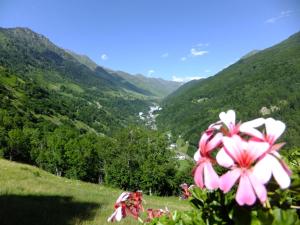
[{"x": 32, "y": 196}]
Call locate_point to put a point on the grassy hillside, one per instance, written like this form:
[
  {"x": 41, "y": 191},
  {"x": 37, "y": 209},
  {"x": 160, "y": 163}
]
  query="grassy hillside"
[
  {"x": 32, "y": 196},
  {"x": 263, "y": 84}
]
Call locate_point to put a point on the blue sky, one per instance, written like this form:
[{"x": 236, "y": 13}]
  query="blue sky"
[{"x": 171, "y": 39}]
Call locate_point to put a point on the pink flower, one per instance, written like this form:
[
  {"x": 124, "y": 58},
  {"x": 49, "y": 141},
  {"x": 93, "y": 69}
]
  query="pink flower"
[
  {"x": 228, "y": 119},
  {"x": 120, "y": 208},
  {"x": 240, "y": 156},
  {"x": 127, "y": 203},
  {"x": 205, "y": 175},
  {"x": 156, "y": 213},
  {"x": 185, "y": 191},
  {"x": 275, "y": 165}
]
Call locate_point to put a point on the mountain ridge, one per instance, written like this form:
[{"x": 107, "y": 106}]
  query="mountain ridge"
[{"x": 157, "y": 87}]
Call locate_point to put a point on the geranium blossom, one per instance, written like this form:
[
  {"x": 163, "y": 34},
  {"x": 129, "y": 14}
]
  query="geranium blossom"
[
  {"x": 156, "y": 213},
  {"x": 127, "y": 202},
  {"x": 241, "y": 156},
  {"x": 120, "y": 208},
  {"x": 205, "y": 175},
  {"x": 134, "y": 203},
  {"x": 276, "y": 166},
  {"x": 185, "y": 191}
]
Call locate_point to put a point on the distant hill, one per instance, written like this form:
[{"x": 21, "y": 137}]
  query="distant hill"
[
  {"x": 151, "y": 86},
  {"x": 266, "y": 84},
  {"x": 157, "y": 86}
]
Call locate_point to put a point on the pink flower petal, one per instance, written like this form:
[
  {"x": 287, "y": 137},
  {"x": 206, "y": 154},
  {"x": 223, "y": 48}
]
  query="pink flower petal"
[
  {"x": 245, "y": 193},
  {"x": 259, "y": 188},
  {"x": 215, "y": 126},
  {"x": 274, "y": 129},
  {"x": 280, "y": 174},
  {"x": 123, "y": 197},
  {"x": 228, "y": 179},
  {"x": 233, "y": 146},
  {"x": 255, "y": 123},
  {"x": 198, "y": 176},
  {"x": 257, "y": 148},
  {"x": 228, "y": 118},
  {"x": 249, "y": 128},
  {"x": 116, "y": 215},
  {"x": 214, "y": 142},
  {"x": 262, "y": 170},
  {"x": 224, "y": 159},
  {"x": 112, "y": 217},
  {"x": 203, "y": 140},
  {"x": 285, "y": 167},
  {"x": 276, "y": 147},
  {"x": 197, "y": 156},
  {"x": 119, "y": 214},
  {"x": 211, "y": 178}
]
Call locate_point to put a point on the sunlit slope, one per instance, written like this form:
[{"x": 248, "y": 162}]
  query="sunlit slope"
[
  {"x": 32, "y": 196},
  {"x": 263, "y": 84}
]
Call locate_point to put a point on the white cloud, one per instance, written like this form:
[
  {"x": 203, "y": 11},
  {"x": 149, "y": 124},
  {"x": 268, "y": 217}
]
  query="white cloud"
[
  {"x": 203, "y": 44},
  {"x": 185, "y": 79},
  {"x": 183, "y": 58},
  {"x": 150, "y": 72},
  {"x": 206, "y": 71},
  {"x": 196, "y": 52},
  {"x": 165, "y": 55},
  {"x": 282, "y": 15},
  {"x": 104, "y": 57}
]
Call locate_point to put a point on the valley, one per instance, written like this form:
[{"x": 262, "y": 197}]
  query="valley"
[{"x": 74, "y": 134}]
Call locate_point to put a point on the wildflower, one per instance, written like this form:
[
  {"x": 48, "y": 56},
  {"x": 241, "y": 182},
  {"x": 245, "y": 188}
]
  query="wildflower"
[
  {"x": 134, "y": 204},
  {"x": 128, "y": 202},
  {"x": 276, "y": 166},
  {"x": 156, "y": 213},
  {"x": 120, "y": 208},
  {"x": 242, "y": 156},
  {"x": 205, "y": 175},
  {"x": 185, "y": 191}
]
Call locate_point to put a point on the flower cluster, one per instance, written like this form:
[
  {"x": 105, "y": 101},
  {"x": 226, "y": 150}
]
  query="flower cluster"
[
  {"x": 185, "y": 191},
  {"x": 156, "y": 213},
  {"x": 130, "y": 203},
  {"x": 250, "y": 155},
  {"x": 127, "y": 203}
]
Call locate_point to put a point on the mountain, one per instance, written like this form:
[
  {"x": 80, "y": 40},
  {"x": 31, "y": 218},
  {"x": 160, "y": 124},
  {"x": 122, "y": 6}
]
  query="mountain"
[
  {"x": 158, "y": 87},
  {"x": 155, "y": 87},
  {"x": 47, "y": 83},
  {"x": 266, "y": 84}
]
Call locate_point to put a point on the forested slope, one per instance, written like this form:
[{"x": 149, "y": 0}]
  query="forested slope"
[{"x": 264, "y": 84}]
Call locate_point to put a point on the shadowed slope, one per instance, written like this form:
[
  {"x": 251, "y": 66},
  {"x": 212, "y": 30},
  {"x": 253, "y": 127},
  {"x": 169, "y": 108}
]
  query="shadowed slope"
[{"x": 44, "y": 209}]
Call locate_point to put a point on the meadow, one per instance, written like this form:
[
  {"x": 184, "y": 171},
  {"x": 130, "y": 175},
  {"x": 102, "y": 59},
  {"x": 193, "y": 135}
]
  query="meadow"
[{"x": 32, "y": 196}]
